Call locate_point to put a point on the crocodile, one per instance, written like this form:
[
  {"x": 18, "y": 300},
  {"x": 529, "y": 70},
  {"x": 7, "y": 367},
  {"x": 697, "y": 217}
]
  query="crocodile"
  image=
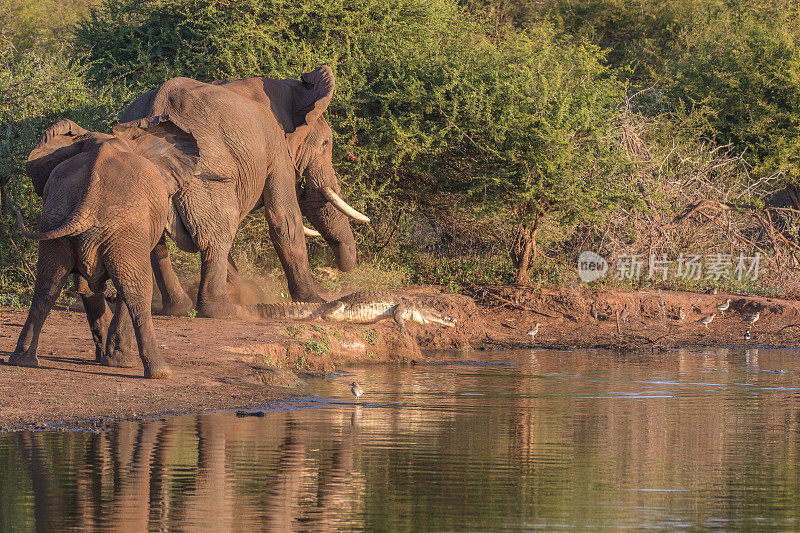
[{"x": 362, "y": 307}]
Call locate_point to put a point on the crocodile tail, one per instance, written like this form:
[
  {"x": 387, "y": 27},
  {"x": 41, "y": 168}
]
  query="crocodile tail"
[{"x": 294, "y": 310}]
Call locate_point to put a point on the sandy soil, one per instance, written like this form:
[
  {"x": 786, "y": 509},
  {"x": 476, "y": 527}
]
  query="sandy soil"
[{"x": 239, "y": 363}]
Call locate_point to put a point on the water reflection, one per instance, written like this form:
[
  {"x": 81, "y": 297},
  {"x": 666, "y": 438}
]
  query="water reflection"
[{"x": 692, "y": 438}]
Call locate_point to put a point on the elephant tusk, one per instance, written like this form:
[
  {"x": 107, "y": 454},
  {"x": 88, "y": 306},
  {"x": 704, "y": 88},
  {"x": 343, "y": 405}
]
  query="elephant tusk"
[
  {"x": 342, "y": 206},
  {"x": 308, "y": 232}
]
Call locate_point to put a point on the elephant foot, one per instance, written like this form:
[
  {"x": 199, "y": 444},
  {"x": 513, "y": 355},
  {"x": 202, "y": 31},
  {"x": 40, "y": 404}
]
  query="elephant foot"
[
  {"x": 98, "y": 354},
  {"x": 177, "y": 308},
  {"x": 23, "y": 359},
  {"x": 220, "y": 308},
  {"x": 161, "y": 371},
  {"x": 120, "y": 359},
  {"x": 310, "y": 298}
]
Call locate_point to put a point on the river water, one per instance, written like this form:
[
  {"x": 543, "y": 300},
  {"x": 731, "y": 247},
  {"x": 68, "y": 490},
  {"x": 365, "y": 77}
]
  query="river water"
[{"x": 512, "y": 440}]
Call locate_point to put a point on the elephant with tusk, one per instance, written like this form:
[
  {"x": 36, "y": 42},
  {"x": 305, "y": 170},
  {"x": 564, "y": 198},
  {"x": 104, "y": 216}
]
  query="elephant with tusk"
[{"x": 262, "y": 143}]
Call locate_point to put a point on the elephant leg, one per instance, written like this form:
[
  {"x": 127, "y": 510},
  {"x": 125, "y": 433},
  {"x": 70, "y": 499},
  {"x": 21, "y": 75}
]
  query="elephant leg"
[
  {"x": 97, "y": 314},
  {"x": 134, "y": 283},
  {"x": 286, "y": 231},
  {"x": 120, "y": 348},
  {"x": 212, "y": 295},
  {"x": 232, "y": 276},
  {"x": 56, "y": 261},
  {"x": 211, "y": 216},
  {"x": 174, "y": 299}
]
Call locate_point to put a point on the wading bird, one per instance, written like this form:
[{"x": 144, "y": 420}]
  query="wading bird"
[
  {"x": 356, "y": 389},
  {"x": 752, "y": 319},
  {"x": 706, "y": 320},
  {"x": 533, "y": 331},
  {"x": 724, "y": 307},
  {"x": 681, "y": 314}
]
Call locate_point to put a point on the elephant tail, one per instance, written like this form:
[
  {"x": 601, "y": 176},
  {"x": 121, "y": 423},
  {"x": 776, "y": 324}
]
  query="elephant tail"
[{"x": 77, "y": 223}]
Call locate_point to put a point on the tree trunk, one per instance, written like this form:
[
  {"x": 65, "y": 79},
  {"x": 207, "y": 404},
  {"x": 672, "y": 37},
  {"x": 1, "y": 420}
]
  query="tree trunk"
[
  {"x": 794, "y": 194},
  {"x": 524, "y": 251}
]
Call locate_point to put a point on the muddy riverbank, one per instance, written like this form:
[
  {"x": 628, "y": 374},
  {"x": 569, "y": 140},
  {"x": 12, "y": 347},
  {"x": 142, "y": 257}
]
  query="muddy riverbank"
[{"x": 219, "y": 364}]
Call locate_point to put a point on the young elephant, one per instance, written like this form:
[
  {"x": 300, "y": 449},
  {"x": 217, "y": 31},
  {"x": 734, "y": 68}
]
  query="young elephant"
[{"x": 105, "y": 208}]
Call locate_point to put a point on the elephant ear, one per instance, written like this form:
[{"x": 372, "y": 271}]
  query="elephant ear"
[
  {"x": 171, "y": 149},
  {"x": 311, "y": 99},
  {"x": 59, "y": 142}
]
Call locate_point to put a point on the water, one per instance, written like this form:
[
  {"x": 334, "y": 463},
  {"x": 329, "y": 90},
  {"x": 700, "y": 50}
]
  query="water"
[{"x": 691, "y": 439}]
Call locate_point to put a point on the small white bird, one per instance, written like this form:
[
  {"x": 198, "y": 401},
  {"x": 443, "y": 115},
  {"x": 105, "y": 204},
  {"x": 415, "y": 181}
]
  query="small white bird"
[
  {"x": 747, "y": 334},
  {"x": 533, "y": 331},
  {"x": 724, "y": 307},
  {"x": 706, "y": 320},
  {"x": 752, "y": 319},
  {"x": 356, "y": 389},
  {"x": 681, "y": 314}
]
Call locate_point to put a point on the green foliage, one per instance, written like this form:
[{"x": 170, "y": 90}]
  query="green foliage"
[
  {"x": 38, "y": 88},
  {"x": 426, "y": 102},
  {"x": 739, "y": 68},
  {"x": 319, "y": 346},
  {"x": 637, "y": 39},
  {"x": 294, "y": 332},
  {"x": 370, "y": 336},
  {"x": 302, "y": 364},
  {"x": 504, "y": 112},
  {"x": 42, "y": 24}
]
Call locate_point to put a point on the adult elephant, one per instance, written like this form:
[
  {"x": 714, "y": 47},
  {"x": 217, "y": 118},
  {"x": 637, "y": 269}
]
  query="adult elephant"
[{"x": 261, "y": 142}]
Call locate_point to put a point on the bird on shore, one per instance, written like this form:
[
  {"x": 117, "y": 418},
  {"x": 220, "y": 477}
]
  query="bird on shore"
[
  {"x": 593, "y": 311},
  {"x": 533, "y": 331},
  {"x": 724, "y": 307},
  {"x": 752, "y": 319},
  {"x": 681, "y": 314},
  {"x": 706, "y": 320},
  {"x": 747, "y": 334},
  {"x": 356, "y": 389}
]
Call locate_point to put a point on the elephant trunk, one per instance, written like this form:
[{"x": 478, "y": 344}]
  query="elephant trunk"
[{"x": 335, "y": 229}]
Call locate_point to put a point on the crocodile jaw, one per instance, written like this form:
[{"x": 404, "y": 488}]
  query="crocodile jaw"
[{"x": 427, "y": 316}]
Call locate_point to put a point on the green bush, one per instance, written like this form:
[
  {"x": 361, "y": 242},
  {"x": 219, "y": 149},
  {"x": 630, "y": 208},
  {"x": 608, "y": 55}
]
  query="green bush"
[
  {"x": 37, "y": 88},
  {"x": 465, "y": 132},
  {"x": 40, "y": 24},
  {"x": 426, "y": 102},
  {"x": 739, "y": 68}
]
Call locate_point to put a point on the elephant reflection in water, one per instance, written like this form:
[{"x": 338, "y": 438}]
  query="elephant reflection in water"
[
  {"x": 129, "y": 481},
  {"x": 48, "y": 497},
  {"x": 282, "y": 501}
]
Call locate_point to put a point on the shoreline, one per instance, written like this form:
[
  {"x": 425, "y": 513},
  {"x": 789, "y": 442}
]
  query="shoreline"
[{"x": 236, "y": 364}]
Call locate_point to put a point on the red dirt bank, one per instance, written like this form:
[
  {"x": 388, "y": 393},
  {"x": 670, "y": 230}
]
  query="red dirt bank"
[{"x": 238, "y": 363}]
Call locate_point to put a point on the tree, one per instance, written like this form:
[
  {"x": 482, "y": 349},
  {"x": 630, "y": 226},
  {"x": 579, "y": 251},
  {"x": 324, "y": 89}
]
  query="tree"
[{"x": 427, "y": 100}]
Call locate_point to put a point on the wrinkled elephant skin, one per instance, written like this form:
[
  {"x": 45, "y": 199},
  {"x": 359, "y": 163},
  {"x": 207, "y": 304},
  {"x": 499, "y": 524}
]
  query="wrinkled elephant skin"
[
  {"x": 261, "y": 143},
  {"x": 105, "y": 208}
]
